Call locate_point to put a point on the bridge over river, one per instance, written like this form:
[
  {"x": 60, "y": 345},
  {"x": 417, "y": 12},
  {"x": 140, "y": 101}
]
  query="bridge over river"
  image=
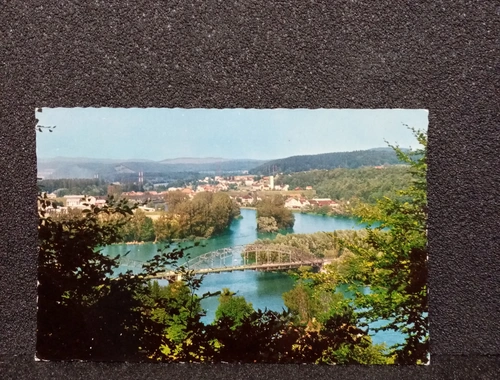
[{"x": 259, "y": 257}]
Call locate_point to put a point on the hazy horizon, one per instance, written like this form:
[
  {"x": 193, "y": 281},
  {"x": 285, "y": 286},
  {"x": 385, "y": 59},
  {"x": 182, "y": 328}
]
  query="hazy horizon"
[{"x": 187, "y": 158}]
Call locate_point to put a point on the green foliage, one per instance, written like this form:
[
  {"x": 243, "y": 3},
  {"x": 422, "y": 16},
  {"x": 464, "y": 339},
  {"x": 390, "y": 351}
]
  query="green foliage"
[
  {"x": 397, "y": 255},
  {"x": 119, "y": 317},
  {"x": 350, "y": 160},
  {"x": 66, "y": 186},
  {"x": 391, "y": 259},
  {"x": 320, "y": 244},
  {"x": 233, "y": 307},
  {"x": 173, "y": 305},
  {"x": 274, "y": 207},
  {"x": 364, "y": 352},
  {"x": 138, "y": 228},
  {"x": 271, "y": 337},
  {"x": 174, "y": 198},
  {"x": 310, "y": 304},
  {"x": 261, "y": 337},
  {"x": 166, "y": 227},
  {"x": 267, "y": 224},
  {"x": 207, "y": 214},
  {"x": 76, "y": 289},
  {"x": 367, "y": 184}
]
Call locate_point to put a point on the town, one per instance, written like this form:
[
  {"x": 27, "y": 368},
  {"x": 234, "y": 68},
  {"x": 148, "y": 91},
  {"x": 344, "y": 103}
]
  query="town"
[{"x": 245, "y": 190}]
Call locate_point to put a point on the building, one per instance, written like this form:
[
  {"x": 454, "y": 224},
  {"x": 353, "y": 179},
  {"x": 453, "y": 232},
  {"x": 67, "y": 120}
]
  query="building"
[
  {"x": 320, "y": 202},
  {"x": 146, "y": 209},
  {"x": 79, "y": 201},
  {"x": 187, "y": 191},
  {"x": 100, "y": 202},
  {"x": 296, "y": 203},
  {"x": 246, "y": 200}
]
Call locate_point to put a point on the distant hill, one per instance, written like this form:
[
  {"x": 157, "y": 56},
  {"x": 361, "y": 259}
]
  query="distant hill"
[
  {"x": 352, "y": 160},
  {"x": 78, "y": 160},
  {"x": 114, "y": 170},
  {"x": 193, "y": 160},
  {"x": 384, "y": 148}
]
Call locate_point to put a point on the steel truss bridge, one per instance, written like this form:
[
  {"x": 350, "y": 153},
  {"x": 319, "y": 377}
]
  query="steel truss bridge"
[{"x": 259, "y": 257}]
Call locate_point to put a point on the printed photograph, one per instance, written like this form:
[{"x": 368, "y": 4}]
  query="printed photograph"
[{"x": 295, "y": 236}]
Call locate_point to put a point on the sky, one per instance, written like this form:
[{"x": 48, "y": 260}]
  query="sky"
[{"x": 265, "y": 134}]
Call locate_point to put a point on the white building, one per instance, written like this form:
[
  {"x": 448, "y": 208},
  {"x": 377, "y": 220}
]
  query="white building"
[
  {"x": 146, "y": 209},
  {"x": 246, "y": 200},
  {"x": 296, "y": 204},
  {"x": 79, "y": 201}
]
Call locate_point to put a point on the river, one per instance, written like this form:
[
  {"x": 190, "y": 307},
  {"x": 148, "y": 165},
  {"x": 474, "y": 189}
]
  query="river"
[{"x": 262, "y": 289}]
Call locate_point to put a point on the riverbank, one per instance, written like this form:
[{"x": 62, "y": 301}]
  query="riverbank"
[
  {"x": 330, "y": 214},
  {"x": 195, "y": 239}
]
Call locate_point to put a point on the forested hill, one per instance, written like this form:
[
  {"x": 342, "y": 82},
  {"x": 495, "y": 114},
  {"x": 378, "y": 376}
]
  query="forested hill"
[
  {"x": 351, "y": 160},
  {"x": 367, "y": 184}
]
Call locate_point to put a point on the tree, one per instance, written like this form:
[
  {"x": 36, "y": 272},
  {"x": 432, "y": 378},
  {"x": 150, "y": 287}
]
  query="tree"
[
  {"x": 272, "y": 337},
  {"x": 78, "y": 286},
  {"x": 234, "y": 307},
  {"x": 267, "y": 224},
  {"x": 173, "y": 305},
  {"x": 299, "y": 300},
  {"x": 392, "y": 261},
  {"x": 260, "y": 337},
  {"x": 274, "y": 207},
  {"x": 338, "y": 340},
  {"x": 205, "y": 215},
  {"x": 76, "y": 289},
  {"x": 166, "y": 227},
  {"x": 139, "y": 227},
  {"x": 311, "y": 304},
  {"x": 174, "y": 198}
]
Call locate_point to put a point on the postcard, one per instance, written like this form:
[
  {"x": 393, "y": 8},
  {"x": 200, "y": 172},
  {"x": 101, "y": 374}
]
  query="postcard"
[{"x": 233, "y": 235}]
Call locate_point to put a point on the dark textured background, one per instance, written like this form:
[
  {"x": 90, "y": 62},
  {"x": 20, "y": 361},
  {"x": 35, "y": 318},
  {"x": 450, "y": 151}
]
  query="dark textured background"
[{"x": 438, "y": 55}]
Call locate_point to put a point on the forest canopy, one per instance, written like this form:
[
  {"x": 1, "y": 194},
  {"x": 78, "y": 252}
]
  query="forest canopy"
[
  {"x": 367, "y": 184},
  {"x": 350, "y": 160},
  {"x": 272, "y": 215}
]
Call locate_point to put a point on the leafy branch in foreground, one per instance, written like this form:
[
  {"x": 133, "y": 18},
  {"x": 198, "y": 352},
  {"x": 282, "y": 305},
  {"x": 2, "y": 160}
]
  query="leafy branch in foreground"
[
  {"x": 382, "y": 270},
  {"x": 392, "y": 261},
  {"x": 78, "y": 287}
]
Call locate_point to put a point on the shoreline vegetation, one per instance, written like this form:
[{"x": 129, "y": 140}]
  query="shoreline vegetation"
[
  {"x": 272, "y": 215},
  {"x": 198, "y": 238},
  {"x": 319, "y": 326}
]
